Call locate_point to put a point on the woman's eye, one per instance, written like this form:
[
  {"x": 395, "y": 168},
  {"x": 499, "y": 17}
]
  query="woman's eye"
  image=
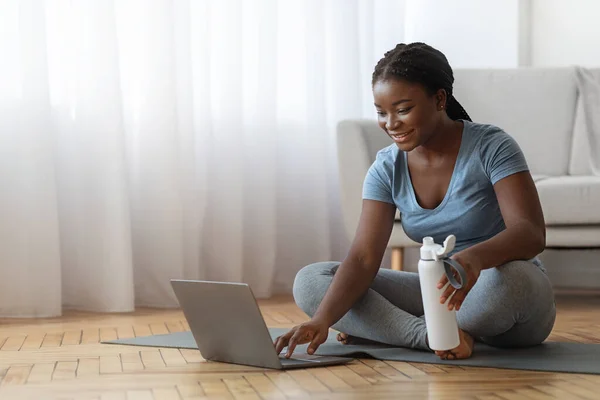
[
  {"x": 380, "y": 113},
  {"x": 404, "y": 110}
]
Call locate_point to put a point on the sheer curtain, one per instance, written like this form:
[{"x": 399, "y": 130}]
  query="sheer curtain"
[{"x": 144, "y": 141}]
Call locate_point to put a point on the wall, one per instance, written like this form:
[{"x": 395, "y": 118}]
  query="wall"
[
  {"x": 565, "y": 33},
  {"x": 471, "y": 33},
  {"x": 508, "y": 33}
]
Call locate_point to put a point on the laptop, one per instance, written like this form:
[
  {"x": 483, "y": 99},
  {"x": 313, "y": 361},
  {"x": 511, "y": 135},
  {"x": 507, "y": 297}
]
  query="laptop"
[{"x": 228, "y": 326}]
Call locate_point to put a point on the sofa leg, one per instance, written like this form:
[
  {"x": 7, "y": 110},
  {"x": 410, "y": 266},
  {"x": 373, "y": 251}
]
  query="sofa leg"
[{"x": 398, "y": 258}]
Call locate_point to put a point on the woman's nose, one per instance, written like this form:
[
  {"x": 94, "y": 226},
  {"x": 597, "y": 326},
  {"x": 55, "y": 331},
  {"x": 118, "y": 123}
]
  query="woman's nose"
[{"x": 391, "y": 124}]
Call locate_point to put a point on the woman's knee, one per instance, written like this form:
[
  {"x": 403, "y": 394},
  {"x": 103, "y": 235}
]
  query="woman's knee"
[
  {"x": 504, "y": 297},
  {"x": 532, "y": 333},
  {"x": 514, "y": 283},
  {"x": 311, "y": 283}
]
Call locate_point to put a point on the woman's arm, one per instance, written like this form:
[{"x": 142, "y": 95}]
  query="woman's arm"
[
  {"x": 523, "y": 238},
  {"x": 356, "y": 273},
  {"x": 352, "y": 279},
  {"x": 525, "y": 233}
]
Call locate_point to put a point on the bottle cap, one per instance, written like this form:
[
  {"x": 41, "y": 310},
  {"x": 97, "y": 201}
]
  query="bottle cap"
[
  {"x": 433, "y": 251},
  {"x": 429, "y": 249}
]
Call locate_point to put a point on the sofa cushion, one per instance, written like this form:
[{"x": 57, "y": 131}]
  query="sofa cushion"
[
  {"x": 537, "y": 178},
  {"x": 580, "y": 159},
  {"x": 570, "y": 200},
  {"x": 535, "y": 106}
]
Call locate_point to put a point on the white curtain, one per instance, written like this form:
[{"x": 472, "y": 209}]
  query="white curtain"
[{"x": 142, "y": 141}]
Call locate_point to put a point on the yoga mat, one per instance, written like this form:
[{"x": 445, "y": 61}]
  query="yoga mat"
[{"x": 548, "y": 357}]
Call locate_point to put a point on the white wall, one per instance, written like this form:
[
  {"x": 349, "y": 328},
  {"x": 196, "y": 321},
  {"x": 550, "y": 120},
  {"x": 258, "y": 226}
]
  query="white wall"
[
  {"x": 565, "y": 33},
  {"x": 471, "y": 33},
  {"x": 507, "y": 33}
]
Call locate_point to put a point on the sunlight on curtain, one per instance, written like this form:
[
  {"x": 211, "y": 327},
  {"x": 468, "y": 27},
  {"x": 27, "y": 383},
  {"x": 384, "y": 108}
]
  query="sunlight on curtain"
[{"x": 143, "y": 142}]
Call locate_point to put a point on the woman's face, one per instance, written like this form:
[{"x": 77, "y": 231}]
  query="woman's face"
[{"x": 406, "y": 112}]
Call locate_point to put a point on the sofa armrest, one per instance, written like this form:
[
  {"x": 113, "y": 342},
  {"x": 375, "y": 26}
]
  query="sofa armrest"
[{"x": 353, "y": 163}]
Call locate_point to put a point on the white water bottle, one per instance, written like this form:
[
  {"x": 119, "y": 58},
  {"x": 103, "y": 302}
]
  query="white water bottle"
[{"x": 442, "y": 328}]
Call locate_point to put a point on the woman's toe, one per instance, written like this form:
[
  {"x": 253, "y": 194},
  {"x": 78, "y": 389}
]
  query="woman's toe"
[
  {"x": 443, "y": 354},
  {"x": 342, "y": 337}
]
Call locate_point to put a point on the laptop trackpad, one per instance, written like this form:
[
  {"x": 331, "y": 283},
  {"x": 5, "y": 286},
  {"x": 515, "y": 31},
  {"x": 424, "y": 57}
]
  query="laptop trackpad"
[{"x": 304, "y": 358}]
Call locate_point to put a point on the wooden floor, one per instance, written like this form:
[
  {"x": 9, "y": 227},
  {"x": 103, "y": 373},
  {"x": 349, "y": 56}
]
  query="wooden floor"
[{"x": 62, "y": 359}]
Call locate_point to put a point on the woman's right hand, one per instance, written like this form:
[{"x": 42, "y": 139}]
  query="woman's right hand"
[{"x": 312, "y": 331}]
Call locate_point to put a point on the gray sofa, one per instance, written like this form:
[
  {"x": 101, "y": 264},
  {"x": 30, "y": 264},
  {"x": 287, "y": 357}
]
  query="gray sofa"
[{"x": 543, "y": 109}]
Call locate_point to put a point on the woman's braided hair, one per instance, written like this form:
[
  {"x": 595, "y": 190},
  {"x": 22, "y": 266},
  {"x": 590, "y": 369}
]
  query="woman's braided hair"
[{"x": 420, "y": 63}]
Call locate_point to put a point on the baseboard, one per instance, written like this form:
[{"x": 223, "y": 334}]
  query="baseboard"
[{"x": 573, "y": 269}]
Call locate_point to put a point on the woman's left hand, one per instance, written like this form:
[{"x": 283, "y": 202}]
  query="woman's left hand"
[{"x": 472, "y": 269}]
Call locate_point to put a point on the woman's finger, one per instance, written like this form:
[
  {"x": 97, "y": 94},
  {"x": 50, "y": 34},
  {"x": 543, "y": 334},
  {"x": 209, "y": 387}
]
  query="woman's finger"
[
  {"x": 282, "y": 341},
  {"x": 318, "y": 340},
  {"x": 442, "y": 282},
  {"x": 293, "y": 342},
  {"x": 447, "y": 293},
  {"x": 457, "y": 299}
]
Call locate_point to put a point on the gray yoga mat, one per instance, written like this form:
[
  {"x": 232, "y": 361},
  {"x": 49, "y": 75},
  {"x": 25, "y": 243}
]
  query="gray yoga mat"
[{"x": 548, "y": 357}]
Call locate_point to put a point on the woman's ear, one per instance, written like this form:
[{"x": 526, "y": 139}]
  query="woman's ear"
[{"x": 441, "y": 98}]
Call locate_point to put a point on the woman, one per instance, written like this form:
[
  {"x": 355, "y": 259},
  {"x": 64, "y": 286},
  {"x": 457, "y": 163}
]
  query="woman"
[{"x": 446, "y": 175}]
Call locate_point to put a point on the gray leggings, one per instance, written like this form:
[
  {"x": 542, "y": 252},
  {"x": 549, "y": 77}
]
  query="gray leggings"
[{"x": 510, "y": 306}]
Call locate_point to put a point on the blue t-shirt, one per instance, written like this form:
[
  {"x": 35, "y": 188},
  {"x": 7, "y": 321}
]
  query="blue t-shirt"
[{"x": 470, "y": 209}]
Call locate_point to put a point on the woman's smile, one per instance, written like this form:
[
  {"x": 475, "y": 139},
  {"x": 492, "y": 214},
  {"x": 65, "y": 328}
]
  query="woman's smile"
[{"x": 400, "y": 137}]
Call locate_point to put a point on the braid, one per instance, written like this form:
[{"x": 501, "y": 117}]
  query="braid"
[{"x": 421, "y": 63}]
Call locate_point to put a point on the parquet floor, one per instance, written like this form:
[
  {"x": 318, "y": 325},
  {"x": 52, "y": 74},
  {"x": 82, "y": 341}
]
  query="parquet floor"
[{"x": 62, "y": 358}]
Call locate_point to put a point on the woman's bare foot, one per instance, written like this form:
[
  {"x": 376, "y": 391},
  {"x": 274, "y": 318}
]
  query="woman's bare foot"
[
  {"x": 344, "y": 338},
  {"x": 463, "y": 350}
]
